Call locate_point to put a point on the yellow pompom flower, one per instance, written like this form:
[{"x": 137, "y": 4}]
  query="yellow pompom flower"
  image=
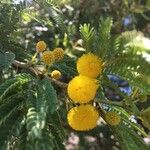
[
  {"x": 83, "y": 117},
  {"x": 56, "y": 74},
  {"x": 89, "y": 65},
  {"x": 82, "y": 89},
  {"x": 41, "y": 46},
  {"x": 48, "y": 57},
  {"x": 112, "y": 118},
  {"x": 58, "y": 54}
]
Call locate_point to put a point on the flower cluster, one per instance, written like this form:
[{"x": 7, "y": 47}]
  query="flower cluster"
[
  {"x": 82, "y": 89},
  {"x": 49, "y": 57}
]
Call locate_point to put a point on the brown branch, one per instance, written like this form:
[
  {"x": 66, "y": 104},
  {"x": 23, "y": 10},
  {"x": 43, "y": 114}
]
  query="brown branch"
[
  {"x": 60, "y": 83},
  {"x": 26, "y": 66},
  {"x": 37, "y": 72}
]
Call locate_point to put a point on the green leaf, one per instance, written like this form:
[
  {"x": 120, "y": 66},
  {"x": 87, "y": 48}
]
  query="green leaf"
[
  {"x": 104, "y": 36},
  {"x": 57, "y": 130},
  {"x": 9, "y": 90},
  {"x": 56, "y": 121},
  {"x": 127, "y": 120},
  {"x": 22, "y": 142},
  {"x": 50, "y": 94},
  {"x": 133, "y": 41},
  {"x": 13, "y": 86},
  {"x": 19, "y": 50},
  {"x": 41, "y": 105},
  {"x": 38, "y": 137},
  {"x": 66, "y": 69},
  {"x": 6, "y": 59},
  {"x": 6, "y": 85},
  {"x": 7, "y": 127},
  {"x": 58, "y": 140},
  {"x": 42, "y": 100},
  {"x": 88, "y": 35},
  {"x": 32, "y": 122},
  {"x": 9, "y": 107},
  {"x": 130, "y": 140},
  {"x": 46, "y": 142},
  {"x": 54, "y": 13}
]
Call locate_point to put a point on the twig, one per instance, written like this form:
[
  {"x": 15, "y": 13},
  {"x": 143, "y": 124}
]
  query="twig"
[
  {"x": 120, "y": 104},
  {"x": 135, "y": 92},
  {"x": 26, "y": 66},
  {"x": 37, "y": 72},
  {"x": 59, "y": 83}
]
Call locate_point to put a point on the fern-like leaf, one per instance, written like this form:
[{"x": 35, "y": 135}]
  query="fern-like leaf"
[
  {"x": 104, "y": 36},
  {"x": 49, "y": 94},
  {"x": 54, "y": 13},
  {"x": 8, "y": 108},
  {"x": 6, "y": 59},
  {"x": 13, "y": 86},
  {"x": 129, "y": 140},
  {"x": 88, "y": 36},
  {"x": 6, "y": 128}
]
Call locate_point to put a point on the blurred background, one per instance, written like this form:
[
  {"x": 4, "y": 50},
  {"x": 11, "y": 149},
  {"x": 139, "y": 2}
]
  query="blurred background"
[{"x": 36, "y": 24}]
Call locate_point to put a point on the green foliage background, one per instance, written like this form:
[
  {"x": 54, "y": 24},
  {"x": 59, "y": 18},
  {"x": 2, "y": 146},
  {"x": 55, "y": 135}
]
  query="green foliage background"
[{"x": 33, "y": 107}]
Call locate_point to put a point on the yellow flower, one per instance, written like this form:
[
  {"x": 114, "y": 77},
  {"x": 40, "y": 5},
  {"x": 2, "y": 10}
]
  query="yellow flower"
[
  {"x": 58, "y": 53},
  {"x": 41, "y": 46},
  {"x": 83, "y": 117},
  {"x": 82, "y": 89},
  {"x": 89, "y": 65},
  {"x": 56, "y": 74},
  {"x": 48, "y": 57},
  {"x": 112, "y": 118}
]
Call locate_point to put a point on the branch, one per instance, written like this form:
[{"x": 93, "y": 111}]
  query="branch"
[
  {"x": 59, "y": 83},
  {"x": 37, "y": 72},
  {"x": 120, "y": 104},
  {"x": 26, "y": 66}
]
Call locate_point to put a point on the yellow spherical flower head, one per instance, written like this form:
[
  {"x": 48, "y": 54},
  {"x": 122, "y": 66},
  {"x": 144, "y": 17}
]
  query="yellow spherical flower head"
[
  {"x": 89, "y": 65},
  {"x": 112, "y": 118},
  {"x": 82, "y": 89},
  {"x": 48, "y": 57},
  {"x": 83, "y": 117},
  {"x": 56, "y": 74},
  {"x": 58, "y": 53},
  {"x": 41, "y": 46}
]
